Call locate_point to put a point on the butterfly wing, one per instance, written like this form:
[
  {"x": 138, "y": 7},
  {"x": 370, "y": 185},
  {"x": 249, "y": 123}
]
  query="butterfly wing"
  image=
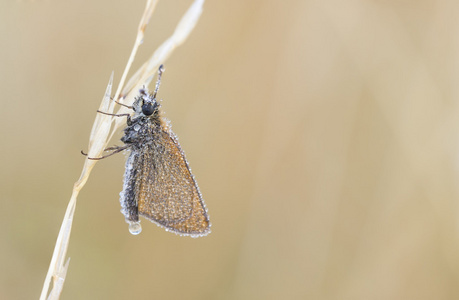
[{"x": 167, "y": 193}]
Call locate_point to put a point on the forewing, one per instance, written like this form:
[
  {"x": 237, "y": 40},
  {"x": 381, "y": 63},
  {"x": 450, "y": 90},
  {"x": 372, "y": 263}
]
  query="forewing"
[{"x": 167, "y": 192}]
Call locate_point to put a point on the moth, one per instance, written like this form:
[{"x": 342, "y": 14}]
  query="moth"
[{"x": 158, "y": 183}]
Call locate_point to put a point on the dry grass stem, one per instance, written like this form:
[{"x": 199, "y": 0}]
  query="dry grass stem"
[{"x": 105, "y": 126}]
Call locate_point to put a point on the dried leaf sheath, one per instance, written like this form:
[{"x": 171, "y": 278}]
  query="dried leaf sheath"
[{"x": 158, "y": 183}]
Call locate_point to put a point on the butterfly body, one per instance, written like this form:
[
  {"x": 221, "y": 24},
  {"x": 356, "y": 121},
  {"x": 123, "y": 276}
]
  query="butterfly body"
[{"x": 158, "y": 183}]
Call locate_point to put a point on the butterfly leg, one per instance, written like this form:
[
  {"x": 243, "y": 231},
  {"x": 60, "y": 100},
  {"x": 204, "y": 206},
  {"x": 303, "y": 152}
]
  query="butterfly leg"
[
  {"x": 128, "y": 106},
  {"x": 129, "y": 122},
  {"x": 112, "y": 148},
  {"x": 118, "y": 149}
]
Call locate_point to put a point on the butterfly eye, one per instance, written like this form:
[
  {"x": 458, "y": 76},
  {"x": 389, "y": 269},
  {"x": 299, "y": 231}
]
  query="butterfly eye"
[{"x": 147, "y": 109}]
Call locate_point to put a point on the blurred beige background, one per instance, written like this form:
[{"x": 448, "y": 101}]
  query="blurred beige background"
[{"x": 323, "y": 135}]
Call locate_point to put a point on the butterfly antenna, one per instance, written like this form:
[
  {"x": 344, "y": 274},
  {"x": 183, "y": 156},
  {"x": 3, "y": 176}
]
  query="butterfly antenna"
[{"x": 160, "y": 72}]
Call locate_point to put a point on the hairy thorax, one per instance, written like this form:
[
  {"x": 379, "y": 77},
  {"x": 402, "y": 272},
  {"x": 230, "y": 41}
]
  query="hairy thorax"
[{"x": 142, "y": 131}]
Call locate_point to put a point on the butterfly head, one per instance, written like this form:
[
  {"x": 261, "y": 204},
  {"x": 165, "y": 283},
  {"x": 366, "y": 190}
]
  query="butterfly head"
[{"x": 146, "y": 104}]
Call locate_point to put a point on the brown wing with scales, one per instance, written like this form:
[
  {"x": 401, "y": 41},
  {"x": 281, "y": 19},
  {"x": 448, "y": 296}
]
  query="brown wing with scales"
[{"x": 167, "y": 193}]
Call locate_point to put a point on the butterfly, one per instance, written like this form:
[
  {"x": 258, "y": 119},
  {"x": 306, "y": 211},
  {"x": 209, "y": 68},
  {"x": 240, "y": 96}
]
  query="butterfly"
[{"x": 158, "y": 183}]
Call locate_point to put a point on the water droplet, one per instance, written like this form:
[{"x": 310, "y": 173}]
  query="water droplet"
[{"x": 135, "y": 228}]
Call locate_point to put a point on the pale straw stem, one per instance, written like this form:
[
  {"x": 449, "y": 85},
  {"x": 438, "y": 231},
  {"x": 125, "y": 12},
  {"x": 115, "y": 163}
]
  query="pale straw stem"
[{"x": 102, "y": 129}]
